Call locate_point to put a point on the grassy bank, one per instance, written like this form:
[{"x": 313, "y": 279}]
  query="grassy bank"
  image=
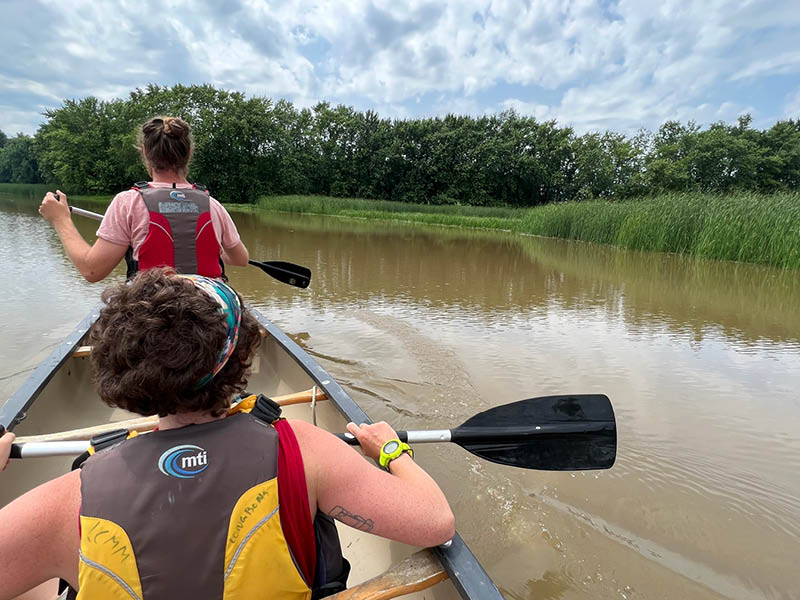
[
  {"x": 762, "y": 229},
  {"x": 26, "y": 189},
  {"x": 742, "y": 227},
  {"x": 36, "y": 191},
  {"x": 455, "y": 215}
]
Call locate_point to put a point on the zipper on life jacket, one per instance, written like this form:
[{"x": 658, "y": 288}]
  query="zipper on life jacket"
[
  {"x": 250, "y": 534},
  {"x": 199, "y": 233},
  {"x": 106, "y": 571}
]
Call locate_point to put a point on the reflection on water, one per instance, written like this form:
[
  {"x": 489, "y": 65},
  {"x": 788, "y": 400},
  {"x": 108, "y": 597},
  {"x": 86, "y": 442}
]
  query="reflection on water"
[
  {"x": 426, "y": 326},
  {"x": 495, "y": 274}
]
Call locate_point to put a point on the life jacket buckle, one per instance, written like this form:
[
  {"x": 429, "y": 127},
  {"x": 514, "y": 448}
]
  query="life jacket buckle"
[
  {"x": 266, "y": 409},
  {"x": 111, "y": 438}
]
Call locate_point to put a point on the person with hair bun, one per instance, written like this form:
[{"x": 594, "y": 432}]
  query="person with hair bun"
[{"x": 166, "y": 221}]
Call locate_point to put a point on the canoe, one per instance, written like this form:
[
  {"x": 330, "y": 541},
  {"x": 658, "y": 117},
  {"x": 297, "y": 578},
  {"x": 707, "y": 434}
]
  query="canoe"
[{"x": 60, "y": 390}]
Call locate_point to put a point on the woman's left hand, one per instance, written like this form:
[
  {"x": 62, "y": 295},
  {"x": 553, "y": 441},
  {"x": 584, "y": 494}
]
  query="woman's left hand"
[{"x": 5, "y": 449}]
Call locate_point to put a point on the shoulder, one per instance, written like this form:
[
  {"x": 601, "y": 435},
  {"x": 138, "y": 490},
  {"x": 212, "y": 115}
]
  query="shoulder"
[
  {"x": 323, "y": 453},
  {"x": 65, "y": 490},
  {"x": 317, "y": 446},
  {"x": 308, "y": 434},
  {"x": 216, "y": 204},
  {"x": 55, "y": 503},
  {"x": 125, "y": 199}
]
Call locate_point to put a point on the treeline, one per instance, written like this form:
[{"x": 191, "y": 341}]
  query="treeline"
[{"x": 246, "y": 147}]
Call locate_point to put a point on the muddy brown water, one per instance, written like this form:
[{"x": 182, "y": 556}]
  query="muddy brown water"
[{"x": 426, "y": 326}]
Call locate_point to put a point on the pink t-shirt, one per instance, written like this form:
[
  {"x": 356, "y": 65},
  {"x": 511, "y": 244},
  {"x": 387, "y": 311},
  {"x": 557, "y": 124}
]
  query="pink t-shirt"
[{"x": 127, "y": 220}]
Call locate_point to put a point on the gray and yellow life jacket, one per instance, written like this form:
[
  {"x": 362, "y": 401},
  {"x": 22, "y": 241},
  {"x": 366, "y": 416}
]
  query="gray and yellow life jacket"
[{"x": 194, "y": 513}]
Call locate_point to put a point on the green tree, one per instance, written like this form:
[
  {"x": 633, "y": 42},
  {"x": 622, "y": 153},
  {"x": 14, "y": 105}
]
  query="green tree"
[
  {"x": 780, "y": 167},
  {"x": 18, "y": 163},
  {"x": 250, "y": 146}
]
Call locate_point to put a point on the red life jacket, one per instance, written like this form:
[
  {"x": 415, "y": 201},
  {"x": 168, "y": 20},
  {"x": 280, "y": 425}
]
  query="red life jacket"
[{"x": 181, "y": 234}]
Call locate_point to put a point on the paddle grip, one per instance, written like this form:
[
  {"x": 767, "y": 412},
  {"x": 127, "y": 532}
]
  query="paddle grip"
[{"x": 15, "y": 449}]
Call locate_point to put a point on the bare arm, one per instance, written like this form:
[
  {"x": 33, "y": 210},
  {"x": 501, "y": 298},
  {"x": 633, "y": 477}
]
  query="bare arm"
[
  {"x": 39, "y": 536},
  {"x": 236, "y": 256},
  {"x": 94, "y": 262},
  {"x": 405, "y": 505}
]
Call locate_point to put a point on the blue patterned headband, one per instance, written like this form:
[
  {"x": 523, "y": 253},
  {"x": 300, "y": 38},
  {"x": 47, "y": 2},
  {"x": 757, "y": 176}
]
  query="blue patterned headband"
[{"x": 230, "y": 306}]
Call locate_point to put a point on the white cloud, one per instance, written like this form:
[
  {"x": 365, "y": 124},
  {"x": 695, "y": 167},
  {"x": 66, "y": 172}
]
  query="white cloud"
[
  {"x": 541, "y": 112},
  {"x": 786, "y": 62},
  {"x": 603, "y": 64},
  {"x": 791, "y": 109}
]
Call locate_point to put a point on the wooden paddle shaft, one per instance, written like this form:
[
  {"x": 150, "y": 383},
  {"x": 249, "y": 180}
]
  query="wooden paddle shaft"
[{"x": 141, "y": 424}]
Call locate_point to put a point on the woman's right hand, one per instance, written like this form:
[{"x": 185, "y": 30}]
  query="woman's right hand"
[
  {"x": 372, "y": 437},
  {"x": 54, "y": 207},
  {"x": 5, "y": 449}
]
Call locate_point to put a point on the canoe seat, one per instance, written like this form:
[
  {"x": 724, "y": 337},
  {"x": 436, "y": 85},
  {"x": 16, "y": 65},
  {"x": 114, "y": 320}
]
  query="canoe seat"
[
  {"x": 418, "y": 572},
  {"x": 81, "y": 351}
]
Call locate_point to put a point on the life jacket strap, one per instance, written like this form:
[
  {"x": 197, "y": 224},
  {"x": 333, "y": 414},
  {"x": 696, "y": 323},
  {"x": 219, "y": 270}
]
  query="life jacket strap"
[
  {"x": 103, "y": 441},
  {"x": 266, "y": 409}
]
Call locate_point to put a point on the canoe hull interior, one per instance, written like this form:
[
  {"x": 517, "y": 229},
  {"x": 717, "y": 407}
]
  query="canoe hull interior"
[{"x": 69, "y": 401}]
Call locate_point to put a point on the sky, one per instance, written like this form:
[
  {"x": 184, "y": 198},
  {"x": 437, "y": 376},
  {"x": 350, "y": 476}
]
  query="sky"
[{"x": 594, "y": 65}]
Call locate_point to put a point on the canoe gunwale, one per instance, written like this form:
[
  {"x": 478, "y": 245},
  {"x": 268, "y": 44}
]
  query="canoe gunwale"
[
  {"x": 465, "y": 571},
  {"x": 344, "y": 403},
  {"x": 13, "y": 411},
  {"x": 467, "y": 574}
]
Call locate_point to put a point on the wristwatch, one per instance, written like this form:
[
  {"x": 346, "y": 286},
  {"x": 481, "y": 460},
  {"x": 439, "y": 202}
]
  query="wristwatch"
[{"x": 391, "y": 450}]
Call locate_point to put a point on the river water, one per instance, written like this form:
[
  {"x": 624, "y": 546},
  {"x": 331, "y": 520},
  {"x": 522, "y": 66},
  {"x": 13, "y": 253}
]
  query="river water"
[{"x": 426, "y": 326}]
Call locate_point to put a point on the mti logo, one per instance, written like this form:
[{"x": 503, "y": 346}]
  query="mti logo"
[{"x": 183, "y": 462}]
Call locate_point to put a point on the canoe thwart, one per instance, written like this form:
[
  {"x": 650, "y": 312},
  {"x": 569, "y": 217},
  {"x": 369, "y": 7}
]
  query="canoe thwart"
[{"x": 418, "y": 572}]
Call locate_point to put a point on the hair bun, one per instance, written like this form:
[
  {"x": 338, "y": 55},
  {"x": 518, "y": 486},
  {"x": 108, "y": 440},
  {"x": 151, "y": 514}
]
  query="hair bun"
[{"x": 175, "y": 127}]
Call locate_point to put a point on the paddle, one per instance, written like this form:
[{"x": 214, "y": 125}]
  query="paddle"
[
  {"x": 142, "y": 424},
  {"x": 551, "y": 433},
  {"x": 292, "y": 274},
  {"x": 285, "y": 272}
]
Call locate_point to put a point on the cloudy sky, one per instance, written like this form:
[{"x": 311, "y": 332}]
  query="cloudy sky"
[{"x": 595, "y": 65}]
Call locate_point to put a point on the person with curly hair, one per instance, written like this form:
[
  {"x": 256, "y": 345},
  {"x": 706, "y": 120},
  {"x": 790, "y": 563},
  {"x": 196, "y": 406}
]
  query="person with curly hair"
[
  {"x": 188, "y": 511},
  {"x": 163, "y": 222}
]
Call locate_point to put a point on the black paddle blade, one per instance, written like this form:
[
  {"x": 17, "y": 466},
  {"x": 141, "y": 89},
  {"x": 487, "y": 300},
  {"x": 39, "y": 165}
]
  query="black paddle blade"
[
  {"x": 286, "y": 272},
  {"x": 552, "y": 433}
]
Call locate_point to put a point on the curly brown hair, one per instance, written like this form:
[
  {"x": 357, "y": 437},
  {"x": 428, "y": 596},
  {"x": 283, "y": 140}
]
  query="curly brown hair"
[{"x": 157, "y": 337}]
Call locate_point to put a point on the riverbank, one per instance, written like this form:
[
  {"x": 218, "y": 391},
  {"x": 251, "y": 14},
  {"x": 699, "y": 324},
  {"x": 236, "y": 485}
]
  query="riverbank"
[
  {"x": 753, "y": 228},
  {"x": 744, "y": 227},
  {"x": 36, "y": 191}
]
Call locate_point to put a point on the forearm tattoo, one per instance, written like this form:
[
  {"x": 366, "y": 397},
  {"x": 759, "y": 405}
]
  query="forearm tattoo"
[{"x": 356, "y": 521}]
